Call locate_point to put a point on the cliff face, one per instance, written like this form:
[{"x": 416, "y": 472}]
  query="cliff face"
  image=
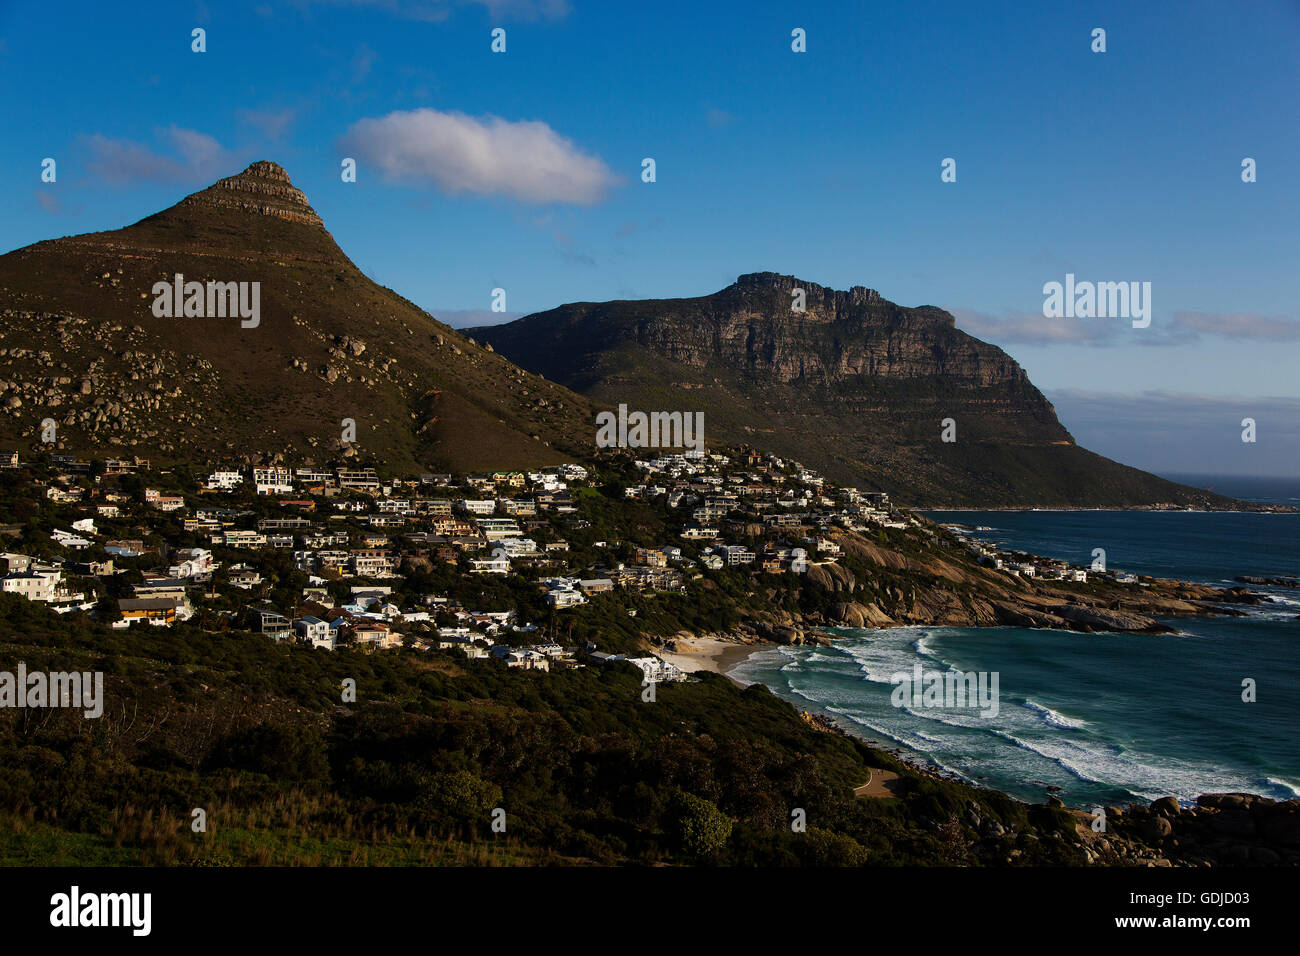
[
  {"x": 854, "y": 385},
  {"x": 750, "y": 326},
  {"x": 80, "y": 344}
]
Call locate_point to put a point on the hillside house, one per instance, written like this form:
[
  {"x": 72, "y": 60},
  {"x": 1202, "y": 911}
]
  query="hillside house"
[
  {"x": 160, "y": 612},
  {"x": 499, "y": 563},
  {"x": 270, "y": 622},
  {"x": 376, "y": 635},
  {"x": 314, "y": 631},
  {"x": 224, "y": 479},
  {"x": 272, "y": 481},
  {"x": 34, "y": 587}
]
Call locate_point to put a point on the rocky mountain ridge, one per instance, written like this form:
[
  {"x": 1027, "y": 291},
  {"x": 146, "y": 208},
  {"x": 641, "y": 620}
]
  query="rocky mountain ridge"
[{"x": 871, "y": 393}]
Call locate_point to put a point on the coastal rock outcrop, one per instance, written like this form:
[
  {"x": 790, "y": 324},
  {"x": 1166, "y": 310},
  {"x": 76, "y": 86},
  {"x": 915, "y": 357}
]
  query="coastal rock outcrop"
[
  {"x": 832, "y": 577},
  {"x": 1107, "y": 620},
  {"x": 1231, "y": 829},
  {"x": 860, "y": 615},
  {"x": 946, "y": 588}
]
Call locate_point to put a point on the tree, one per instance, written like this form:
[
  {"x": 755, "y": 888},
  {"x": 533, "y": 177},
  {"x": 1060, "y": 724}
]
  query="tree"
[
  {"x": 820, "y": 847},
  {"x": 699, "y": 828},
  {"x": 459, "y": 796},
  {"x": 106, "y": 611}
]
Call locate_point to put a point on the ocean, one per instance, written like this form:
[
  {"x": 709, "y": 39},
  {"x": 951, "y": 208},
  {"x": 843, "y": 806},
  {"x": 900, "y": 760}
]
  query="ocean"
[{"x": 1107, "y": 718}]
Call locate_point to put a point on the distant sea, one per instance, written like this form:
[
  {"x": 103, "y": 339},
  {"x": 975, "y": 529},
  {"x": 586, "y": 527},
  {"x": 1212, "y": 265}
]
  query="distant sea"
[
  {"x": 1278, "y": 491},
  {"x": 1107, "y": 718}
]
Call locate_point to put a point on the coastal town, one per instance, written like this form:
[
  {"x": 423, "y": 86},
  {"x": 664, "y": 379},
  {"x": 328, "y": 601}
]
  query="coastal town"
[{"x": 343, "y": 557}]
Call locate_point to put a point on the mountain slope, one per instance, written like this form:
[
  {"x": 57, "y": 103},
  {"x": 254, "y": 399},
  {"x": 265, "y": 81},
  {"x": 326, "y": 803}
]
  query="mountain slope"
[
  {"x": 856, "y": 386},
  {"x": 80, "y": 344}
]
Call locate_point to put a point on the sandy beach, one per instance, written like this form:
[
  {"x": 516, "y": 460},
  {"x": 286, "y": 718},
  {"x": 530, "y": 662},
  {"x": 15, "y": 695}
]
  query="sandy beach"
[{"x": 709, "y": 654}]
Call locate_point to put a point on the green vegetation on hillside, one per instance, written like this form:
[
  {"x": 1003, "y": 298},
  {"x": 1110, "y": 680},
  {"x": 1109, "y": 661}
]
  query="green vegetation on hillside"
[{"x": 258, "y": 736}]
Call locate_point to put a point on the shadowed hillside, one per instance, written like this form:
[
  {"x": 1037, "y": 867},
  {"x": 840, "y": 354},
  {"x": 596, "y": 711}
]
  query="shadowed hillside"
[{"x": 80, "y": 344}]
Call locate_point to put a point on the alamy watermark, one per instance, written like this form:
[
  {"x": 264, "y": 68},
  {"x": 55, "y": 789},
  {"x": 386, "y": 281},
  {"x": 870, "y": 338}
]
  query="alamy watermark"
[
  {"x": 1100, "y": 300},
  {"x": 946, "y": 689},
  {"x": 215, "y": 300},
  {"x": 77, "y": 909},
  {"x": 75, "y": 689},
  {"x": 650, "y": 430}
]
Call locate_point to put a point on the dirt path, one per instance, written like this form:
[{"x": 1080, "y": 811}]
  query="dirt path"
[{"x": 883, "y": 783}]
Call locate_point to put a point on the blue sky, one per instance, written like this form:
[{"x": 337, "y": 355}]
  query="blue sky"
[{"x": 522, "y": 170}]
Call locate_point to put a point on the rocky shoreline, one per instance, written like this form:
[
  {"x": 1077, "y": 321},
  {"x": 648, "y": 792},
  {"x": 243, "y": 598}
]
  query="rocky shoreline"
[
  {"x": 1046, "y": 613},
  {"x": 945, "y": 593},
  {"x": 1267, "y": 582},
  {"x": 1221, "y": 829}
]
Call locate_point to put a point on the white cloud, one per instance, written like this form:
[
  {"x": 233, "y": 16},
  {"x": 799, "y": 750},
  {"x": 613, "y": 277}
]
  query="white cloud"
[
  {"x": 1235, "y": 325},
  {"x": 1033, "y": 328},
  {"x": 120, "y": 161},
  {"x": 524, "y": 160},
  {"x": 1184, "y": 327}
]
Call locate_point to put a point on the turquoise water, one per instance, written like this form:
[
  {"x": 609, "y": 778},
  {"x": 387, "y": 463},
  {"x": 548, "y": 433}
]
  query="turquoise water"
[{"x": 1105, "y": 717}]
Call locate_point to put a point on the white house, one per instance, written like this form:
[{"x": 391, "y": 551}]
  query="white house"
[
  {"x": 315, "y": 631},
  {"x": 69, "y": 540},
  {"x": 738, "y": 554},
  {"x": 516, "y": 547},
  {"x": 242, "y": 539},
  {"x": 187, "y": 562},
  {"x": 224, "y": 479},
  {"x": 565, "y": 597},
  {"x": 156, "y": 499},
  {"x": 497, "y": 564},
  {"x": 495, "y": 529},
  {"x": 272, "y": 481},
  {"x": 34, "y": 587},
  {"x": 242, "y": 576}
]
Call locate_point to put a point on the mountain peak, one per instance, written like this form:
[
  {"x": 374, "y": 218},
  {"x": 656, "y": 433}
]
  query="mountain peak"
[
  {"x": 774, "y": 280},
  {"x": 265, "y": 169},
  {"x": 264, "y": 188}
]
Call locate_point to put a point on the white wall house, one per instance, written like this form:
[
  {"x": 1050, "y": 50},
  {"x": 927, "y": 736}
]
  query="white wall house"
[
  {"x": 187, "y": 562},
  {"x": 272, "y": 481},
  {"x": 34, "y": 587},
  {"x": 315, "y": 631},
  {"x": 497, "y": 564},
  {"x": 224, "y": 479}
]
